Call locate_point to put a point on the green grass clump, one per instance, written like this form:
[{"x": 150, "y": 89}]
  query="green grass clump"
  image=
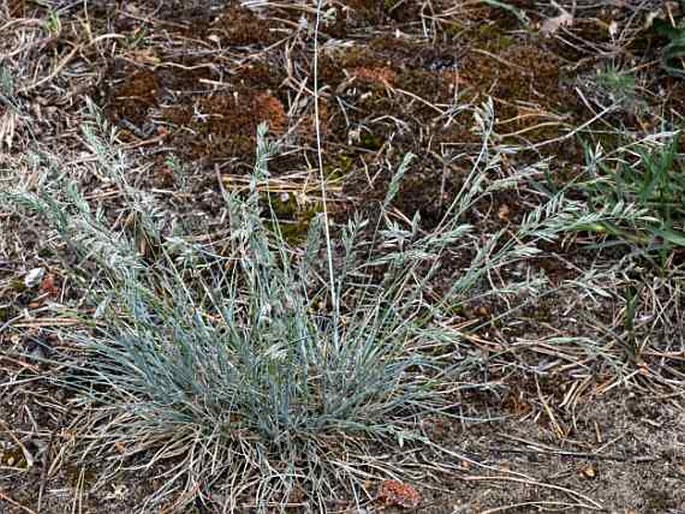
[
  {"x": 674, "y": 31},
  {"x": 649, "y": 176},
  {"x": 620, "y": 84}
]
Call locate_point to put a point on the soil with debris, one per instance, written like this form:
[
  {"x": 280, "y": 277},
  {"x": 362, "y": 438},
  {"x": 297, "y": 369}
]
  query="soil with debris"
[{"x": 187, "y": 82}]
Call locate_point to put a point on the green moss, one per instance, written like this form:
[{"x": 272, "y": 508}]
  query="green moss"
[
  {"x": 493, "y": 37},
  {"x": 609, "y": 140},
  {"x": 14, "y": 457},
  {"x": 498, "y": 323},
  {"x": 454, "y": 28},
  {"x": 285, "y": 206},
  {"x": 17, "y": 285},
  {"x": 338, "y": 167},
  {"x": 620, "y": 83},
  {"x": 542, "y": 313},
  {"x": 6, "y": 314},
  {"x": 77, "y": 476},
  {"x": 370, "y": 141},
  {"x": 293, "y": 219},
  {"x": 46, "y": 253},
  {"x": 294, "y": 233}
]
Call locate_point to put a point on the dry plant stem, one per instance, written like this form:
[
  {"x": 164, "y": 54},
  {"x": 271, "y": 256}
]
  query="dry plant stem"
[
  {"x": 27, "y": 454},
  {"x": 544, "y": 505},
  {"x": 15, "y": 503},
  {"x": 60, "y": 66},
  {"x": 322, "y": 179},
  {"x": 590, "y": 503},
  {"x": 575, "y": 131},
  {"x": 577, "y": 455},
  {"x": 478, "y": 464}
]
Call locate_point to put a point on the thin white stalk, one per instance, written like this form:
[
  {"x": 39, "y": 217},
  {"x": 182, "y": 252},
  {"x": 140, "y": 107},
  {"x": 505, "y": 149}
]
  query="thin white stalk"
[{"x": 322, "y": 179}]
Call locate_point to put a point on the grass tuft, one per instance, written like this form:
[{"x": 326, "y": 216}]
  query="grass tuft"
[
  {"x": 246, "y": 375},
  {"x": 650, "y": 176}
]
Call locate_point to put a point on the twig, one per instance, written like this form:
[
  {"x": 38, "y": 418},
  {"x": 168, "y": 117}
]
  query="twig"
[
  {"x": 577, "y": 455},
  {"x": 573, "y": 132},
  {"x": 28, "y": 457},
  {"x": 11, "y": 501},
  {"x": 505, "y": 508},
  {"x": 591, "y": 504},
  {"x": 62, "y": 64}
]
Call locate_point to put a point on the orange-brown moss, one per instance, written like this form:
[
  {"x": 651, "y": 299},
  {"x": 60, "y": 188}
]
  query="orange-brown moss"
[
  {"x": 434, "y": 86},
  {"x": 382, "y": 11},
  {"x": 225, "y": 124},
  {"x": 523, "y": 79},
  {"x": 186, "y": 77},
  {"x": 17, "y": 8},
  {"x": 132, "y": 99},
  {"x": 241, "y": 26},
  {"x": 520, "y": 73},
  {"x": 259, "y": 75},
  {"x": 369, "y": 89},
  {"x": 380, "y": 75}
]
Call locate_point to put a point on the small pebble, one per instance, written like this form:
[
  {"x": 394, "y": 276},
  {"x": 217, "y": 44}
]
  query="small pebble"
[{"x": 34, "y": 277}]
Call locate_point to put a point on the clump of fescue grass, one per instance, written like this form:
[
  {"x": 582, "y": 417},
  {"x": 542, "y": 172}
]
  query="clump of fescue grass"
[{"x": 248, "y": 375}]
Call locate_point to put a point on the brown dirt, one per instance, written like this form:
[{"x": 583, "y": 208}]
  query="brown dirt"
[{"x": 627, "y": 459}]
